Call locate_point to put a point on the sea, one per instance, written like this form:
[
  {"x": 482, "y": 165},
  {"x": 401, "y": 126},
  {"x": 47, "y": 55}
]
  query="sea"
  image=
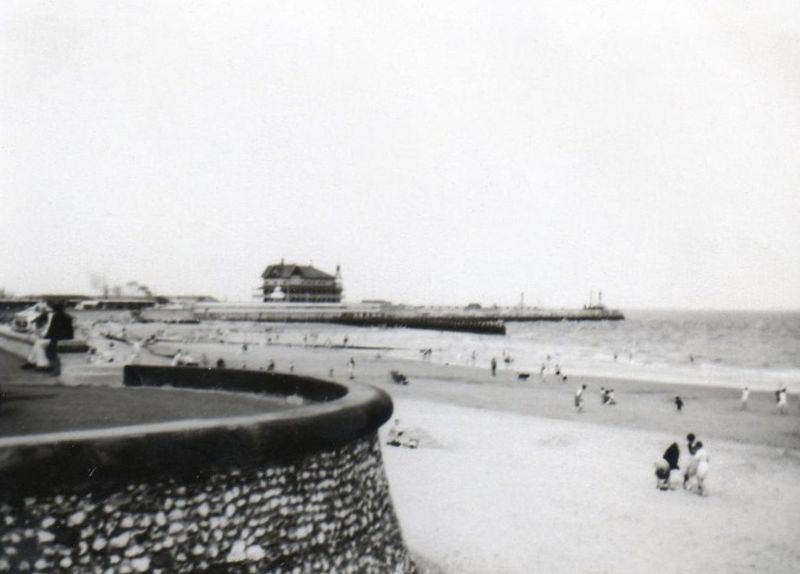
[{"x": 760, "y": 350}]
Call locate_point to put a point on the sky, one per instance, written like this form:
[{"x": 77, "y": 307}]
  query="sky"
[{"x": 440, "y": 152}]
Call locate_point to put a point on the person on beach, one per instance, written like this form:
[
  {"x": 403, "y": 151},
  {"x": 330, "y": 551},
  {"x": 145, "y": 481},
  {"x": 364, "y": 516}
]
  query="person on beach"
[
  {"x": 541, "y": 371},
  {"x": 558, "y": 370},
  {"x": 780, "y": 397},
  {"x": 698, "y": 469},
  {"x": 701, "y": 463},
  {"x": 745, "y": 396},
  {"x": 678, "y": 403},
  {"x": 351, "y": 366},
  {"x": 691, "y": 469},
  {"x": 667, "y": 464},
  {"x": 494, "y": 366},
  {"x": 395, "y": 434},
  {"x": 579, "y": 398}
]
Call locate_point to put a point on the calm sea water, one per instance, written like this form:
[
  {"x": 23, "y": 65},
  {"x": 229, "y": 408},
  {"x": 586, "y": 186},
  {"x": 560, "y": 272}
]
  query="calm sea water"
[
  {"x": 733, "y": 349},
  {"x": 757, "y": 349}
]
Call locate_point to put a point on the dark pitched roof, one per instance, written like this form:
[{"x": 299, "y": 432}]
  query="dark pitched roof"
[{"x": 286, "y": 270}]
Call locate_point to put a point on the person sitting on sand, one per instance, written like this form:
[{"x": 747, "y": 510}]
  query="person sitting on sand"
[
  {"x": 666, "y": 465},
  {"x": 395, "y": 434},
  {"x": 611, "y": 400}
]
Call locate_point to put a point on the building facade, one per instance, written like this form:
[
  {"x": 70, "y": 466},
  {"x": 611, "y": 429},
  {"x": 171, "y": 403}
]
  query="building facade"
[{"x": 290, "y": 283}]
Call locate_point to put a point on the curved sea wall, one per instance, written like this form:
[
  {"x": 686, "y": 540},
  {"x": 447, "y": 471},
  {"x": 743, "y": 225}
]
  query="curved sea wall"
[{"x": 300, "y": 490}]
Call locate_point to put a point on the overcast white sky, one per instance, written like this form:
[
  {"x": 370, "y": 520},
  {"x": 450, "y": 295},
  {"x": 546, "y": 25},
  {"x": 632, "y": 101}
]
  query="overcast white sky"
[{"x": 441, "y": 152}]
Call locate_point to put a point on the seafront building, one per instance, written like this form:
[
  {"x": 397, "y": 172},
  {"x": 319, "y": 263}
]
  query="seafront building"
[{"x": 290, "y": 283}]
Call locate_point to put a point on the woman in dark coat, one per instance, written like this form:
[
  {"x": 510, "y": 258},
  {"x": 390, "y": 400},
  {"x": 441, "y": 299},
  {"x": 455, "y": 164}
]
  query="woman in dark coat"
[{"x": 667, "y": 465}]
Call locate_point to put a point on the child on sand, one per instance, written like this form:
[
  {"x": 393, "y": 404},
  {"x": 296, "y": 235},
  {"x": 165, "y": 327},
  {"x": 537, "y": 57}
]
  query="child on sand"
[{"x": 679, "y": 403}]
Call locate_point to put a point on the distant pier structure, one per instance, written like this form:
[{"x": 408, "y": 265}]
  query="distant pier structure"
[{"x": 472, "y": 318}]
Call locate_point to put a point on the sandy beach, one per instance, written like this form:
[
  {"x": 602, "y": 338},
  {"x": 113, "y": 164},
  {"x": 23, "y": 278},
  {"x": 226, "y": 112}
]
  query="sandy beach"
[{"x": 509, "y": 478}]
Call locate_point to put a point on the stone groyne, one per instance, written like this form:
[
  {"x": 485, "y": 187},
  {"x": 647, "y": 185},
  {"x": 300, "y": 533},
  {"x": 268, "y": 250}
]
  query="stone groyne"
[{"x": 301, "y": 490}]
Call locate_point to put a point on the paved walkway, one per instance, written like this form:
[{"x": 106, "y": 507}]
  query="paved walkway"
[{"x": 33, "y": 403}]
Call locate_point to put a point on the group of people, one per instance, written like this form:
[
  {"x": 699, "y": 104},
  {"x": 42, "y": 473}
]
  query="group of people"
[
  {"x": 694, "y": 476},
  {"x": 397, "y": 436},
  {"x": 607, "y": 396}
]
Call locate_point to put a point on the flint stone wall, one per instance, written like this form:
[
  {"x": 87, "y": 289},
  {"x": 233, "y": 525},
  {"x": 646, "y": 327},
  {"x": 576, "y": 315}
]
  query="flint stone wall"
[{"x": 320, "y": 510}]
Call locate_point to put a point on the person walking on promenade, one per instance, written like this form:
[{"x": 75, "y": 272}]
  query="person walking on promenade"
[
  {"x": 745, "y": 396},
  {"x": 44, "y": 354},
  {"x": 579, "y": 398},
  {"x": 494, "y": 366}
]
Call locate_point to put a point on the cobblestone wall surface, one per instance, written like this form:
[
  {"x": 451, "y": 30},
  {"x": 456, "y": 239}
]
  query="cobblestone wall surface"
[{"x": 328, "y": 511}]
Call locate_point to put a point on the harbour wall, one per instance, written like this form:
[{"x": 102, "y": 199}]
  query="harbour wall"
[{"x": 301, "y": 490}]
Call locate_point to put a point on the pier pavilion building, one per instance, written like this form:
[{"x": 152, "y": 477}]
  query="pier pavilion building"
[{"x": 290, "y": 283}]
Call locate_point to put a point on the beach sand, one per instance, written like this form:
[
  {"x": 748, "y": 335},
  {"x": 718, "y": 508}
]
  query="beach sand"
[{"x": 509, "y": 478}]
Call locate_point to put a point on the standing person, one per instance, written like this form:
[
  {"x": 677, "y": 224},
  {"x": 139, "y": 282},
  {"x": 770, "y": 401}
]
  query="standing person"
[
  {"x": 701, "y": 462},
  {"x": 781, "y": 398},
  {"x": 678, "y": 403},
  {"x": 351, "y": 366},
  {"x": 494, "y": 366},
  {"x": 579, "y": 398},
  {"x": 691, "y": 468},
  {"x": 745, "y": 396},
  {"x": 541, "y": 371},
  {"x": 37, "y": 357},
  {"x": 666, "y": 465},
  {"x": 59, "y": 329},
  {"x": 55, "y": 326}
]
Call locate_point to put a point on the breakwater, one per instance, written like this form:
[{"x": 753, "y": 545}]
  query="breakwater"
[{"x": 301, "y": 490}]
